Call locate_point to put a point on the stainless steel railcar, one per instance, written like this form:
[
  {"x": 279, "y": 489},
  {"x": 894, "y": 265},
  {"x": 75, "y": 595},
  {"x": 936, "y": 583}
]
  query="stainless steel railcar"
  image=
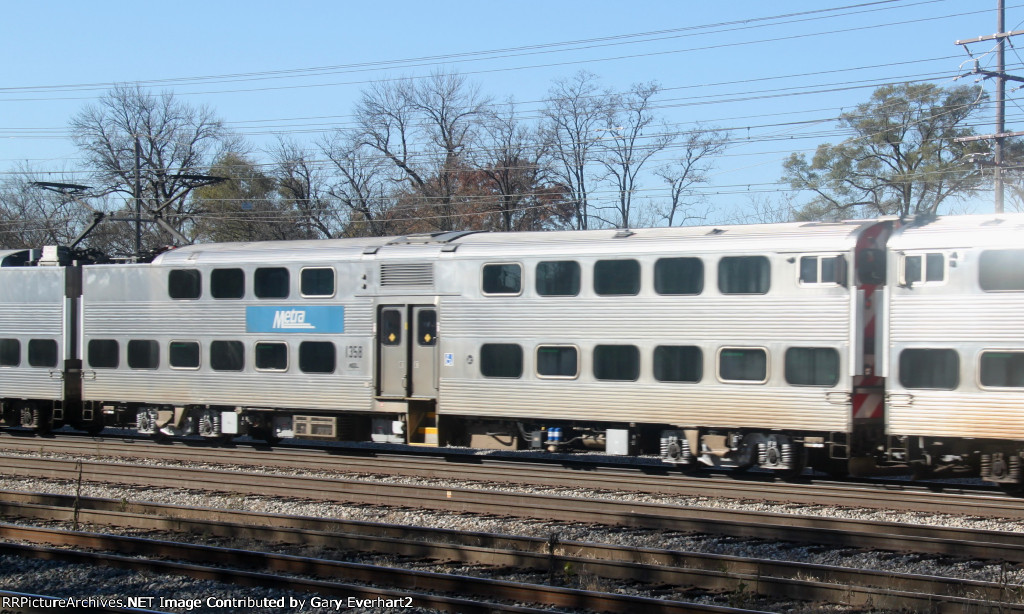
[{"x": 768, "y": 345}]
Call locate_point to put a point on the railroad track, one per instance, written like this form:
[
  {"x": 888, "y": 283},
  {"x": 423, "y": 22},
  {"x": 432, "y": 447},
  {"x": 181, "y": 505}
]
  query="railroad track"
[
  {"x": 878, "y": 535},
  {"x": 954, "y": 499},
  {"x": 776, "y": 579}
]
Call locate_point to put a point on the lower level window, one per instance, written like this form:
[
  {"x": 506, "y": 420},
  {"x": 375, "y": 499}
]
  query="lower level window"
[
  {"x": 10, "y": 352},
  {"x": 42, "y": 353},
  {"x": 812, "y": 366},
  {"x": 501, "y": 360},
  {"x": 1002, "y": 369},
  {"x": 103, "y": 354},
  {"x": 143, "y": 354},
  {"x": 937, "y": 369},
  {"x": 316, "y": 357},
  {"x": 227, "y": 355},
  {"x": 743, "y": 364},
  {"x": 617, "y": 362},
  {"x": 558, "y": 361}
]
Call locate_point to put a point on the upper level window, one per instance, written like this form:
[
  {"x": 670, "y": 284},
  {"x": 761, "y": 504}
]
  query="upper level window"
[
  {"x": 679, "y": 276},
  {"x": 558, "y": 278},
  {"x": 558, "y": 361},
  {"x": 227, "y": 283},
  {"x": 744, "y": 275},
  {"x": 924, "y": 268},
  {"x": 271, "y": 282},
  {"x": 318, "y": 282},
  {"x": 501, "y": 360},
  {"x": 822, "y": 270},
  {"x": 184, "y": 283},
  {"x": 1001, "y": 270},
  {"x": 503, "y": 278},
  {"x": 812, "y": 366},
  {"x": 927, "y": 368},
  {"x": 617, "y": 362},
  {"x": 743, "y": 365},
  {"x": 617, "y": 277}
]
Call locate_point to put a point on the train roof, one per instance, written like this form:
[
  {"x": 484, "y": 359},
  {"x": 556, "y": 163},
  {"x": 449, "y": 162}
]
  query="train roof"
[
  {"x": 804, "y": 237},
  {"x": 960, "y": 231}
]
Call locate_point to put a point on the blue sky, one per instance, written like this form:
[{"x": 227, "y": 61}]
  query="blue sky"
[{"x": 777, "y": 82}]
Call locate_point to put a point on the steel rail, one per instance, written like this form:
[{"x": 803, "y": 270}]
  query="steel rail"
[
  {"x": 779, "y": 579},
  {"x": 970, "y": 543},
  {"x": 875, "y": 495},
  {"x": 272, "y": 565}
]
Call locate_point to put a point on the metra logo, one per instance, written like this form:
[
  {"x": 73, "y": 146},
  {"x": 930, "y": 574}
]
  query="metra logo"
[{"x": 292, "y": 319}]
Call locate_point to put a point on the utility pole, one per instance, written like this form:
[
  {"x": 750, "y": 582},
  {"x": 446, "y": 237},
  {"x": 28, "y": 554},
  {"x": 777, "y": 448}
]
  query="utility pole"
[{"x": 1001, "y": 77}]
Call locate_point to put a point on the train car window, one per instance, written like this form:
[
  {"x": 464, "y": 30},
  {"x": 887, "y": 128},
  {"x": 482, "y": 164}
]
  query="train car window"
[
  {"x": 558, "y": 278},
  {"x": 501, "y": 360},
  {"x": 503, "y": 278},
  {"x": 184, "y": 283},
  {"x": 679, "y": 276},
  {"x": 617, "y": 277},
  {"x": 743, "y": 365},
  {"x": 10, "y": 352},
  {"x": 103, "y": 353},
  {"x": 924, "y": 268},
  {"x": 744, "y": 275},
  {"x": 271, "y": 356},
  {"x": 227, "y": 355},
  {"x": 426, "y": 327},
  {"x": 227, "y": 283},
  {"x": 143, "y": 354},
  {"x": 822, "y": 270},
  {"x": 1001, "y": 270},
  {"x": 1002, "y": 369},
  {"x": 871, "y": 266},
  {"x": 183, "y": 354},
  {"x": 317, "y": 283},
  {"x": 42, "y": 353},
  {"x": 271, "y": 282},
  {"x": 812, "y": 366},
  {"x": 937, "y": 369},
  {"x": 316, "y": 357},
  {"x": 617, "y": 363},
  {"x": 558, "y": 361},
  {"x": 678, "y": 363},
  {"x": 390, "y": 327}
]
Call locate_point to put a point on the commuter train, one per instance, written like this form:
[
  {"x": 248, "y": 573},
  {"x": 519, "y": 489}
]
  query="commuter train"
[{"x": 849, "y": 347}]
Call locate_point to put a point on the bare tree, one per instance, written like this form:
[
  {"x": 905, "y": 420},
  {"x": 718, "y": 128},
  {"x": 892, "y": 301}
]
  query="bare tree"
[
  {"x": 574, "y": 113},
  {"x": 625, "y": 148},
  {"x": 360, "y": 184},
  {"x": 302, "y": 183},
  {"x": 31, "y": 217},
  {"x": 424, "y": 127},
  {"x": 172, "y": 141},
  {"x": 688, "y": 171}
]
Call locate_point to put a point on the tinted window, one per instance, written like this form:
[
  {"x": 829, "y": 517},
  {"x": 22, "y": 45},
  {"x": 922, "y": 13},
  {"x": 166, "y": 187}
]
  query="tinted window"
[
  {"x": 227, "y": 283},
  {"x": 617, "y": 277},
  {"x": 617, "y": 362},
  {"x": 103, "y": 354},
  {"x": 184, "y": 283},
  {"x": 743, "y": 364},
  {"x": 557, "y": 361},
  {"x": 558, "y": 278},
  {"x": 812, "y": 366},
  {"x": 271, "y": 283},
  {"x": 183, "y": 354},
  {"x": 316, "y": 357},
  {"x": 10, "y": 352},
  {"x": 502, "y": 278},
  {"x": 42, "y": 353},
  {"x": 426, "y": 327},
  {"x": 271, "y": 356},
  {"x": 926, "y": 368},
  {"x": 1002, "y": 369},
  {"x": 317, "y": 282},
  {"x": 143, "y": 354},
  {"x": 679, "y": 276},
  {"x": 501, "y": 360},
  {"x": 678, "y": 363},
  {"x": 227, "y": 356},
  {"x": 391, "y": 327},
  {"x": 1001, "y": 270},
  {"x": 744, "y": 275}
]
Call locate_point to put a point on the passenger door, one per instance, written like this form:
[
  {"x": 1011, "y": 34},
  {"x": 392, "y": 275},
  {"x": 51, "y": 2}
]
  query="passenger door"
[{"x": 407, "y": 350}]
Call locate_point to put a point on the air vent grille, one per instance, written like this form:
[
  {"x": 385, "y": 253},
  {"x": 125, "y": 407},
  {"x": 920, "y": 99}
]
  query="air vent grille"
[{"x": 417, "y": 274}]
